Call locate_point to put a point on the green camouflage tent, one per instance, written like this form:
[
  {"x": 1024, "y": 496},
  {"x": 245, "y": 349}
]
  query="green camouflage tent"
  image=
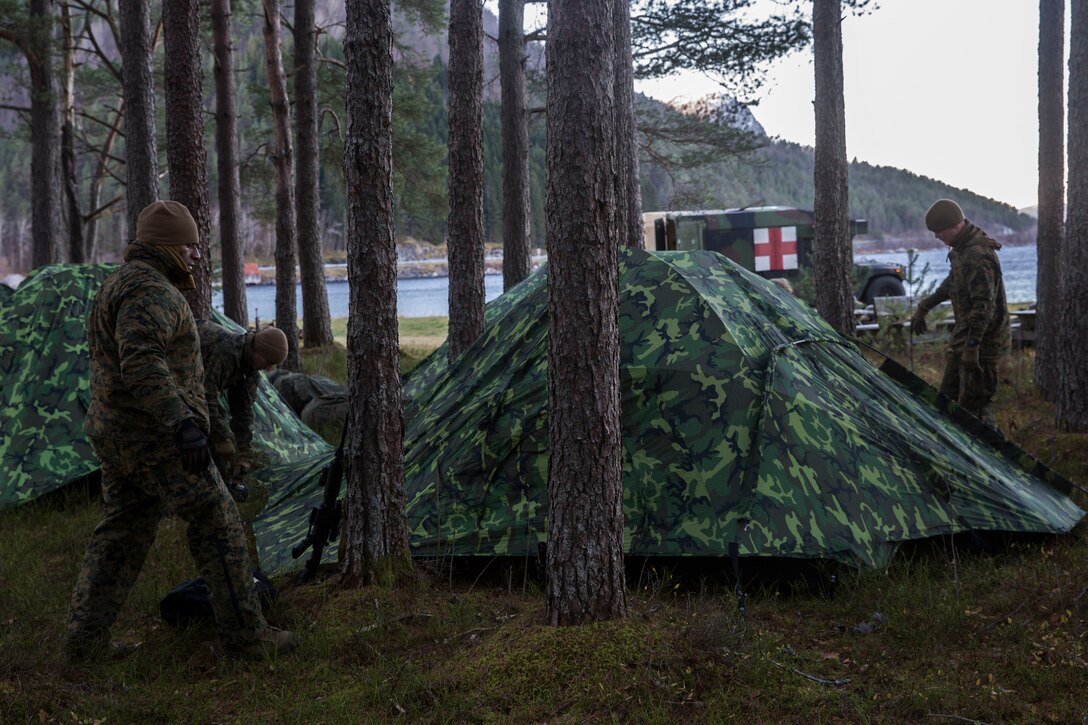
[
  {"x": 747, "y": 421},
  {"x": 45, "y": 391}
]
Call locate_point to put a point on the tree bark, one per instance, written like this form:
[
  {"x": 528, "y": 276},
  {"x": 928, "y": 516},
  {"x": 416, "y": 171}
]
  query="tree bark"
[
  {"x": 516, "y": 258},
  {"x": 45, "y": 141},
  {"x": 138, "y": 91},
  {"x": 466, "y": 176},
  {"x": 283, "y": 160},
  {"x": 186, "y": 157},
  {"x": 76, "y": 250},
  {"x": 226, "y": 145},
  {"x": 585, "y": 523},
  {"x": 628, "y": 191},
  {"x": 316, "y": 324},
  {"x": 1051, "y": 192},
  {"x": 1072, "y": 399},
  {"x": 376, "y": 550},
  {"x": 94, "y": 194},
  {"x": 832, "y": 245}
]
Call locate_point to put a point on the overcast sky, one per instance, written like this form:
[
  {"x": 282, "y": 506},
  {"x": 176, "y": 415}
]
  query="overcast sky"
[{"x": 943, "y": 88}]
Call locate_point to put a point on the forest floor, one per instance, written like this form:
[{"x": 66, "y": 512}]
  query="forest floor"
[{"x": 946, "y": 634}]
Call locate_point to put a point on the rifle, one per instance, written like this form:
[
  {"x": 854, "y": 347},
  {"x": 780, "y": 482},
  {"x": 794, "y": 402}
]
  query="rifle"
[{"x": 324, "y": 519}]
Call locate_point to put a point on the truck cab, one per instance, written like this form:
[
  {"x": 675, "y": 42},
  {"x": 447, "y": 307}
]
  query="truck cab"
[{"x": 772, "y": 241}]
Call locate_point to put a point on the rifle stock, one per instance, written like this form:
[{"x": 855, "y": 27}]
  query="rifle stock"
[{"x": 324, "y": 526}]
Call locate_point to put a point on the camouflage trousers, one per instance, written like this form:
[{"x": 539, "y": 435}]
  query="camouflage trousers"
[
  {"x": 972, "y": 390},
  {"x": 140, "y": 482}
]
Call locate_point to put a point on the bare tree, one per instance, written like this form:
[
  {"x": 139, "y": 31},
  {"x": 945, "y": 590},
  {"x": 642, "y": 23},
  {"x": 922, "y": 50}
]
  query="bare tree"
[
  {"x": 76, "y": 249},
  {"x": 833, "y": 250},
  {"x": 138, "y": 91},
  {"x": 316, "y": 323},
  {"x": 466, "y": 180},
  {"x": 45, "y": 184},
  {"x": 628, "y": 192},
  {"x": 376, "y": 548},
  {"x": 283, "y": 160},
  {"x": 230, "y": 185},
  {"x": 186, "y": 157},
  {"x": 1051, "y": 192},
  {"x": 585, "y": 521},
  {"x": 1072, "y": 398},
  {"x": 516, "y": 262}
]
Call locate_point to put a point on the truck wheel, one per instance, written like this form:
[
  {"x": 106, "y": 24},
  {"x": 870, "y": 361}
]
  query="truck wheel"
[{"x": 883, "y": 287}]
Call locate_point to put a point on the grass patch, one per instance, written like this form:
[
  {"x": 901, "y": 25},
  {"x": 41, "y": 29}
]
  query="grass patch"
[
  {"x": 946, "y": 634},
  {"x": 419, "y": 337}
]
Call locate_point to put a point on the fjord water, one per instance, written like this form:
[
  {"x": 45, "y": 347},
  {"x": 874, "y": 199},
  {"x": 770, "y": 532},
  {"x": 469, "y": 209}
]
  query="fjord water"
[{"x": 429, "y": 296}]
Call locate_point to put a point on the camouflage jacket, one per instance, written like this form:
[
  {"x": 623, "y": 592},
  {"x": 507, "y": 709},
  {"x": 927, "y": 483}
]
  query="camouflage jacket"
[
  {"x": 146, "y": 372},
  {"x": 228, "y": 371},
  {"x": 977, "y": 291}
]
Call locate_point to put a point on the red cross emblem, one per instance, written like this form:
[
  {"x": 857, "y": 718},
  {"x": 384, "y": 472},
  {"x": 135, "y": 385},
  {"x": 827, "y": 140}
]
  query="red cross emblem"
[{"x": 776, "y": 248}]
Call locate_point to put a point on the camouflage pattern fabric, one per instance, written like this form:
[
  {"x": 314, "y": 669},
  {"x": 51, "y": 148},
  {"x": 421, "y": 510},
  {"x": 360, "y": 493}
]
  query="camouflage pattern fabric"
[
  {"x": 146, "y": 378},
  {"x": 146, "y": 371},
  {"x": 45, "y": 381},
  {"x": 141, "y": 481},
  {"x": 229, "y": 375},
  {"x": 971, "y": 389},
  {"x": 746, "y": 420},
  {"x": 45, "y": 392},
  {"x": 975, "y": 286},
  {"x": 326, "y": 412},
  {"x": 977, "y": 290},
  {"x": 299, "y": 389}
]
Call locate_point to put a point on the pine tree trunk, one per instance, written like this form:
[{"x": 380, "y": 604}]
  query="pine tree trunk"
[
  {"x": 832, "y": 244},
  {"x": 186, "y": 157},
  {"x": 316, "y": 324},
  {"x": 283, "y": 160},
  {"x": 585, "y": 522},
  {"x": 45, "y": 185},
  {"x": 1051, "y": 192},
  {"x": 138, "y": 90},
  {"x": 226, "y": 146},
  {"x": 516, "y": 258},
  {"x": 628, "y": 192},
  {"x": 1072, "y": 396},
  {"x": 466, "y": 175},
  {"x": 376, "y": 539}
]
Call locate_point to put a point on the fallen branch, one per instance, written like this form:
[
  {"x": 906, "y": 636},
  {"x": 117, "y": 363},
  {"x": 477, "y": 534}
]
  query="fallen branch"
[
  {"x": 807, "y": 676},
  {"x": 955, "y": 717},
  {"x": 402, "y": 618},
  {"x": 1007, "y": 617}
]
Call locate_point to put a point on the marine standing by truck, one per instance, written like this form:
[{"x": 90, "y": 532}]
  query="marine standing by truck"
[{"x": 981, "y": 334}]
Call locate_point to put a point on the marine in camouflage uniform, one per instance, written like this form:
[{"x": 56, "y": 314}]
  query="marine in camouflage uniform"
[
  {"x": 232, "y": 365},
  {"x": 146, "y": 421},
  {"x": 981, "y": 335}
]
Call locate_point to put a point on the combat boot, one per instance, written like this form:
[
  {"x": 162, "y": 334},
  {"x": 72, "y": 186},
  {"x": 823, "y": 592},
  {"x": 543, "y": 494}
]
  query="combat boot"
[
  {"x": 79, "y": 650},
  {"x": 269, "y": 643}
]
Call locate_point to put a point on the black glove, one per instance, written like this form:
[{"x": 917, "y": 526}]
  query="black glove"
[
  {"x": 192, "y": 447},
  {"x": 238, "y": 491},
  {"x": 918, "y": 324}
]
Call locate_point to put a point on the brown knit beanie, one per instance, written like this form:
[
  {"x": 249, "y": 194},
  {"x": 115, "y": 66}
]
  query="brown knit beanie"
[
  {"x": 165, "y": 223},
  {"x": 271, "y": 344},
  {"x": 944, "y": 214}
]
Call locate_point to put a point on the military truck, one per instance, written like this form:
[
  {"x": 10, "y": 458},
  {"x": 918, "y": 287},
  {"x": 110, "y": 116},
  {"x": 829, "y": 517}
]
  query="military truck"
[{"x": 773, "y": 241}]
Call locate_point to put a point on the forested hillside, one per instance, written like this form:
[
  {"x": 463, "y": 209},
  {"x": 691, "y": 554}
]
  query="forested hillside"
[
  {"x": 893, "y": 200},
  {"x": 777, "y": 173}
]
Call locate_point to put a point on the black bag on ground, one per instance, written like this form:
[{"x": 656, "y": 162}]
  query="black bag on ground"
[{"x": 188, "y": 603}]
